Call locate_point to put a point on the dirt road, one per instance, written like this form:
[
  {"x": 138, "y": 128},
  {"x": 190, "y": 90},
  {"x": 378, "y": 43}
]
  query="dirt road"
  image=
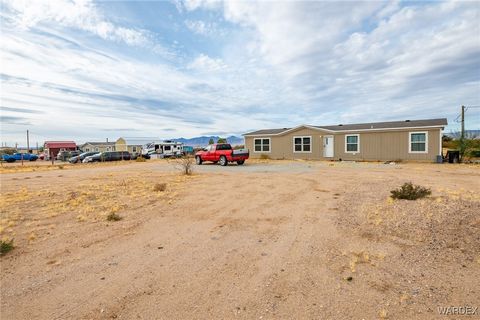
[{"x": 261, "y": 243}]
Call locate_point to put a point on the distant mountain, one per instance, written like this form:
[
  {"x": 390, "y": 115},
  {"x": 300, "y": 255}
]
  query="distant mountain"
[{"x": 203, "y": 140}]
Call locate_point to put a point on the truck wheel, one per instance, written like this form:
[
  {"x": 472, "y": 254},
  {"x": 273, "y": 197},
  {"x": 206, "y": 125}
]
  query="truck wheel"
[
  {"x": 198, "y": 160},
  {"x": 223, "y": 161},
  {"x": 240, "y": 162}
]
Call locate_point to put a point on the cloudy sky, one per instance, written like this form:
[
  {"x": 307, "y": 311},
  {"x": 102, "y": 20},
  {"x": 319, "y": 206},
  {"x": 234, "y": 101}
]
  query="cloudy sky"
[{"x": 88, "y": 70}]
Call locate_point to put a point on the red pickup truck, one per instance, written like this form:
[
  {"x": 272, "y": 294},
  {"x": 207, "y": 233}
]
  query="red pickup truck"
[{"x": 221, "y": 153}]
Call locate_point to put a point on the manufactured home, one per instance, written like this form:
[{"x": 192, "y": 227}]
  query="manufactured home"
[
  {"x": 97, "y": 146},
  {"x": 418, "y": 140}
]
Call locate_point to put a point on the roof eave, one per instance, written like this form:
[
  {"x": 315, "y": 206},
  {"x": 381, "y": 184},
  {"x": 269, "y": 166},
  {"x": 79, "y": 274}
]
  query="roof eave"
[{"x": 340, "y": 131}]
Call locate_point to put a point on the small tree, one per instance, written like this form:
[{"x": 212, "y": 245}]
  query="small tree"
[
  {"x": 211, "y": 141},
  {"x": 222, "y": 140},
  {"x": 184, "y": 164}
]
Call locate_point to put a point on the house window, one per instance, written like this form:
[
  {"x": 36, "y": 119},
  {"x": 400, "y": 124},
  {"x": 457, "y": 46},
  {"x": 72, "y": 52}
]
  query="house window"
[
  {"x": 87, "y": 149},
  {"x": 262, "y": 144},
  {"x": 352, "y": 143},
  {"x": 134, "y": 149},
  {"x": 418, "y": 142},
  {"x": 96, "y": 149},
  {"x": 302, "y": 144}
]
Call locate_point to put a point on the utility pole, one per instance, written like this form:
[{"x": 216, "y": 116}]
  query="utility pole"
[
  {"x": 462, "y": 135},
  {"x": 28, "y": 143}
]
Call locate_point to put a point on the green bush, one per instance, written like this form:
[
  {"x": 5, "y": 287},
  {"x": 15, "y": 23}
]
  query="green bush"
[
  {"x": 6, "y": 246},
  {"x": 475, "y": 154},
  {"x": 409, "y": 191}
]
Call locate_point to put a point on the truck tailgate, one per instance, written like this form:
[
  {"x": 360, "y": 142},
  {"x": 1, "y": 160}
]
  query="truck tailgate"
[{"x": 240, "y": 153}]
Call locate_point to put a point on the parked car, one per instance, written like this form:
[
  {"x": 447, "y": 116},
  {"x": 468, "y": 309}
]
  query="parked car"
[
  {"x": 108, "y": 156},
  {"x": 65, "y": 155},
  {"x": 221, "y": 153},
  {"x": 19, "y": 156},
  {"x": 81, "y": 156}
]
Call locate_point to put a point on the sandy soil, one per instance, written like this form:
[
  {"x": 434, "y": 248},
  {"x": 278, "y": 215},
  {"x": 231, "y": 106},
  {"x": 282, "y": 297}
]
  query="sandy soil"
[{"x": 269, "y": 240}]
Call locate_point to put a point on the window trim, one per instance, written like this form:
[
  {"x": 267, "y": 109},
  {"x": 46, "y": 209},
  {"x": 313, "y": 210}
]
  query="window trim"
[
  {"x": 358, "y": 143},
  {"x": 410, "y": 141},
  {"x": 269, "y": 145},
  {"x": 301, "y": 137}
]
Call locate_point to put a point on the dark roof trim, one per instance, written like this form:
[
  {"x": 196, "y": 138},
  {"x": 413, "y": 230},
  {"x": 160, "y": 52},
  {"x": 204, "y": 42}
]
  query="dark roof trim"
[{"x": 392, "y": 125}]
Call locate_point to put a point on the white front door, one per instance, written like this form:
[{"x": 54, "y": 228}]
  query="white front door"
[{"x": 328, "y": 146}]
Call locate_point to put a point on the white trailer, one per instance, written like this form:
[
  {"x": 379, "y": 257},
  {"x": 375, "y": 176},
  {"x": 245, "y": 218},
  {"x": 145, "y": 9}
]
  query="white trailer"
[{"x": 163, "y": 149}]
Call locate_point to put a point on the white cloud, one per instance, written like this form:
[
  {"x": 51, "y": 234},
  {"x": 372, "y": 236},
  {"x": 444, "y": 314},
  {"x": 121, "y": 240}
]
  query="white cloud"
[
  {"x": 191, "y": 5},
  {"x": 205, "y": 63},
  {"x": 371, "y": 56},
  {"x": 78, "y": 14},
  {"x": 203, "y": 28}
]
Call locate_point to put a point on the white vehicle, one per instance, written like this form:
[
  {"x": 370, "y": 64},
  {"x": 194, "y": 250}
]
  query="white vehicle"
[{"x": 163, "y": 149}]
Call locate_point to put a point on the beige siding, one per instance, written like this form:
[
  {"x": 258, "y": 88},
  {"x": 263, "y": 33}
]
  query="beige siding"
[
  {"x": 374, "y": 145},
  {"x": 121, "y": 145},
  {"x": 389, "y": 145},
  {"x": 282, "y": 146},
  {"x": 100, "y": 148},
  {"x": 138, "y": 149}
]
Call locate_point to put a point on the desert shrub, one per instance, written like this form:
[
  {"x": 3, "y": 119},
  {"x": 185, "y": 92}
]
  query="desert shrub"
[
  {"x": 114, "y": 217},
  {"x": 60, "y": 167},
  {"x": 409, "y": 191},
  {"x": 474, "y": 154},
  {"x": 184, "y": 164},
  {"x": 160, "y": 187},
  {"x": 140, "y": 159},
  {"x": 6, "y": 246},
  {"x": 264, "y": 156}
]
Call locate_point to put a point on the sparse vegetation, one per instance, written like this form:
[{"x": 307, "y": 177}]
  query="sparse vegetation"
[
  {"x": 409, "y": 191},
  {"x": 264, "y": 156},
  {"x": 6, "y": 246},
  {"x": 184, "y": 164},
  {"x": 160, "y": 187},
  {"x": 140, "y": 159},
  {"x": 468, "y": 145},
  {"x": 114, "y": 217}
]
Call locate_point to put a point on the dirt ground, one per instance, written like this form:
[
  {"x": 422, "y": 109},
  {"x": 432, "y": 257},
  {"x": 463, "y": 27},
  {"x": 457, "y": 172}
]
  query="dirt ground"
[{"x": 268, "y": 240}]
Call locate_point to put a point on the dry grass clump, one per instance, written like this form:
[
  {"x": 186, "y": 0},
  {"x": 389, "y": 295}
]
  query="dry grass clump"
[
  {"x": 264, "y": 157},
  {"x": 160, "y": 187},
  {"x": 114, "y": 217},
  {"x": 409, "y": 191},
  {"x": 6, "y": 246},
  {"x": 140, "y": 159}
]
